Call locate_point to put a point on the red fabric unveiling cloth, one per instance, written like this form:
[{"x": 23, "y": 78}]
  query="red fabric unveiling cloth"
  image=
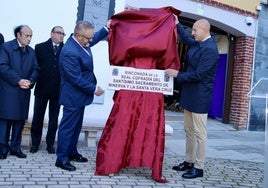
[{"x": 134, "y": 134}]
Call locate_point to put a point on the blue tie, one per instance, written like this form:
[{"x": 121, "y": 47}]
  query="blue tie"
[{"x": 88, "y": 50}]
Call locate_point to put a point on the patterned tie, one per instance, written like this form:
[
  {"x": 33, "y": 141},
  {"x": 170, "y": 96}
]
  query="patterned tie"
[{"x": 55, "y": 49}]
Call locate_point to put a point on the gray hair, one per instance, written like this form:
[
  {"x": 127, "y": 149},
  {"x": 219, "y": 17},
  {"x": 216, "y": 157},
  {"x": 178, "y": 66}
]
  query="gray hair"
[{"x": 82, "y": 25}]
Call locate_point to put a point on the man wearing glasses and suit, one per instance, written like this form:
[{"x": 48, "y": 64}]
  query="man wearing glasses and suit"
[
  {"x": 47, "y": 90},
  {"x": 78, "y": 87}
]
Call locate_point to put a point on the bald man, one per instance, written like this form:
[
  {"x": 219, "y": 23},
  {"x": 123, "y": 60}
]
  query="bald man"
[{"x": 197, "y": 84}]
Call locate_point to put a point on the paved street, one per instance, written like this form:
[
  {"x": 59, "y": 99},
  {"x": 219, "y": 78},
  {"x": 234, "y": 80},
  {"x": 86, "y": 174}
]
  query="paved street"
[{"x": 234, "y": 159}]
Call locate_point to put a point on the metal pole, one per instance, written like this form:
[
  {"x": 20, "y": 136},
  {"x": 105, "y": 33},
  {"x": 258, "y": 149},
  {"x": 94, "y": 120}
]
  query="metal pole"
[{"x": 266, "y": 145}]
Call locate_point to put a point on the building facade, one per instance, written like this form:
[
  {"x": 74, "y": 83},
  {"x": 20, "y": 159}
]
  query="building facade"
[{"x": 239, "y": 28}]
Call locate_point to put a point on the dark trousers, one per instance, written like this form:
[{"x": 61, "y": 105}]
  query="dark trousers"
[
  {"x": 40, "y": 105},
  {"x": 17, "y": 128},
  {"x": 69, "y": 131}
]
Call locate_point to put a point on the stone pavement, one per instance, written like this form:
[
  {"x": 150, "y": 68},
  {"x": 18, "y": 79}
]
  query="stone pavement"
[{"x": 234, "y": 159}]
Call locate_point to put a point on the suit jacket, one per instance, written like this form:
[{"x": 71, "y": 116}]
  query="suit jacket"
[
  {"x": 48, "y": 83},
  {"x": 198, "y": 80},
  {"x": 16, "y": 65},
  {"x": 78, "y": 82}
]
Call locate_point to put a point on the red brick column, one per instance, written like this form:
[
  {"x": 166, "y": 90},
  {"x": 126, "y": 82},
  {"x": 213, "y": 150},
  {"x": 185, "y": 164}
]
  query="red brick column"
[{"x": 243, "y": 63}]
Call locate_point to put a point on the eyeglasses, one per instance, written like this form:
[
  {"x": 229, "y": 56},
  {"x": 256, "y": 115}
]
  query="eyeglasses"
[
  {"x": 87, "y": 37},
  {"x": 59, "y": 33}
]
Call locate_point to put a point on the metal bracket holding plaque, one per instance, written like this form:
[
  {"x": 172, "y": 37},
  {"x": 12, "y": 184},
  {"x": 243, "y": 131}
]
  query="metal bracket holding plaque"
[{"x": 260, "y": 90}]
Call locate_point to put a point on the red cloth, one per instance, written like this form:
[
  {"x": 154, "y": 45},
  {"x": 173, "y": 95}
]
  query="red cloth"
[{"x": 134, "y": 134}]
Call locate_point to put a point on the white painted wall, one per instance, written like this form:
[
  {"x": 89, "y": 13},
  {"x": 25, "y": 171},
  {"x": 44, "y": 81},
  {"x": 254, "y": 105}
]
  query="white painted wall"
[{"x": 41, "y": 16}]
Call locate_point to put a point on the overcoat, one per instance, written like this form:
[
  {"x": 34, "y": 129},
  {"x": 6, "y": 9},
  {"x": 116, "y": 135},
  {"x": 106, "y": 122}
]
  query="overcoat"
[
  {"x": 198, "y": 80},
  {"x": 48, "y": 83},
  {"x": 16, "y": 65}
]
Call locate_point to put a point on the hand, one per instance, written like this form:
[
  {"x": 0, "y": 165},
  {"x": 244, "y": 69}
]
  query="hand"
[
  {"x": 176, "y": 19},
  {"x": 24, "y": 83},
  {"x": 99, "y": 91},
  {"x": 108, "y": 24},
  {"x": 171, "y": 72}
]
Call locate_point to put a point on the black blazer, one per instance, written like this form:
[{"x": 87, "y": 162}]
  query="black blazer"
[{"x": 48, "y": 83}]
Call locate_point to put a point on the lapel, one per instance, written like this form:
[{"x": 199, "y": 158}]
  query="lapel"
[
  {"x": 87, "y": 50},
  {"x": 49, "y": 46}
]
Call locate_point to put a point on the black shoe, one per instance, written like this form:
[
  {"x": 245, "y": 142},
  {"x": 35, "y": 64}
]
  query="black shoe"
[
  {"x": 78, "y": 158},
  {"x": 34, "y": 149},
  {"x": 51, "y": 150},
  {"x": 65, "y": 165},
  {"x": 183, "y": 166},
  {"x": 193, "y": 173},
  {"x": 18, "y": 154},
  {"x": 3, "y": 155}
]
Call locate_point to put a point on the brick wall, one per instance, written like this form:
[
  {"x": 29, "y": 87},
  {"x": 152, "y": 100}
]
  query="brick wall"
[{"x": 243, "y": 62}]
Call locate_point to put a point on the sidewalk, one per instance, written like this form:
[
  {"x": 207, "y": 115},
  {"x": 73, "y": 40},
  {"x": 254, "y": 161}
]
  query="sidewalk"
[{"x": 234, "y": 159}]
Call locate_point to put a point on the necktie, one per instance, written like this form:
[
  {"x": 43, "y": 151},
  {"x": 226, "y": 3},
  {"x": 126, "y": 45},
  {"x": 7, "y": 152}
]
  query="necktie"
[
  {"x": 23, "y": 49},
  {"x": 55, "y": 49},
  {"x": 88, "y": 50}
]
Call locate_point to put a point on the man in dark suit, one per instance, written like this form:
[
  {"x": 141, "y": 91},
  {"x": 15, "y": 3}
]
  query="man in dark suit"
[
  {"x": 78, "y": 86},
  {"x": 18, "y": 73},
  {"x": 47, "y": 90},
  {"x": 197, "y": 84}
]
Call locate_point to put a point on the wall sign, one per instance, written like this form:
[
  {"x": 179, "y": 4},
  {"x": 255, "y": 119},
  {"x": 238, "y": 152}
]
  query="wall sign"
[{"x": 151, "y": 80}]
